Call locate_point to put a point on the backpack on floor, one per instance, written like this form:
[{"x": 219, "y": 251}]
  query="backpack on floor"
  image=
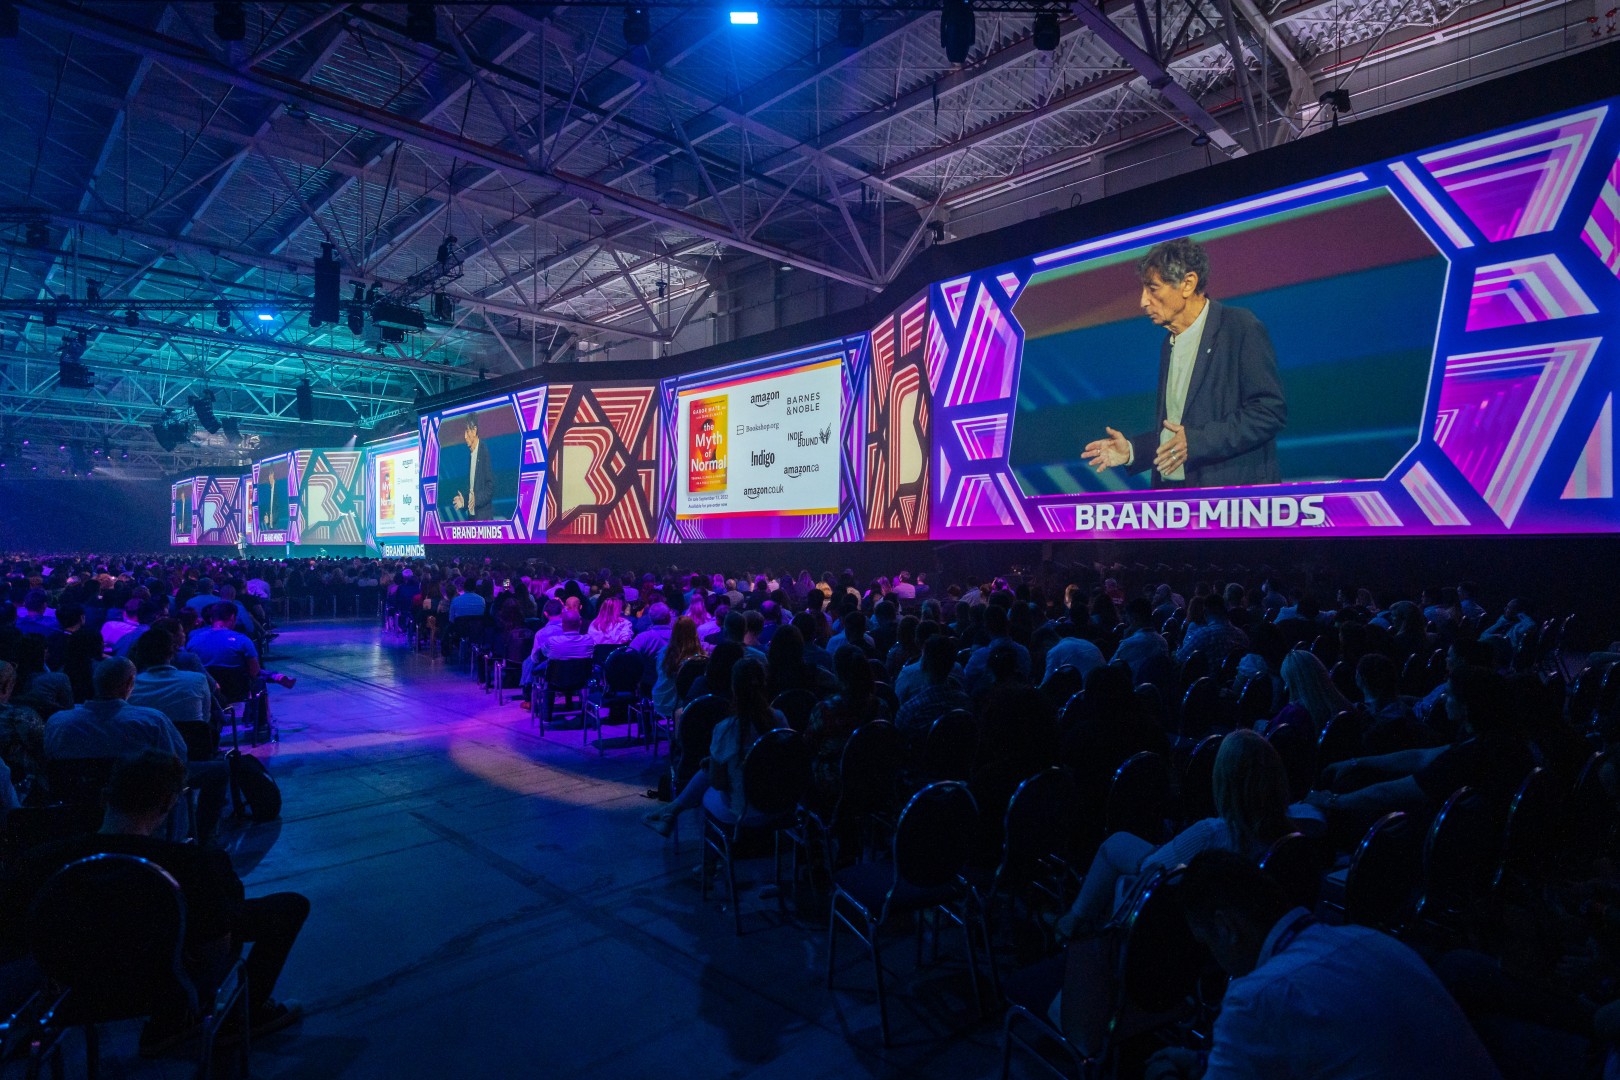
[{"x": 252, "y": 784}]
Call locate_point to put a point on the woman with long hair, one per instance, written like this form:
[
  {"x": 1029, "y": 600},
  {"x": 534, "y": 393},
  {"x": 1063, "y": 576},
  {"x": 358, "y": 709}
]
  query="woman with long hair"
[
  {"x": 1312, "y": 697},
  {"x": 718, "y": 785},
  {"x": 610, "y": 627},
  {"x": 788, "y": 669},
  {"x": 1251, "y": 814},
  {"x": 683, "y": 646}
]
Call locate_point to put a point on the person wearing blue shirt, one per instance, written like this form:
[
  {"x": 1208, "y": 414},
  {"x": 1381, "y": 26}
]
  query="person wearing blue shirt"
[
  {"x": 220, "y": 646},
  {"x": 467, "y": 603},
  {"x": 1141, "y": 642},
  {"x": 1074, "y": 651},
  {"x": 1215, "y": 636},
  {"x": 977, "y": 675}
]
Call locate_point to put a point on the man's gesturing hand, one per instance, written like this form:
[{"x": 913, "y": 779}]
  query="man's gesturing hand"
[
  {"x": 1173, "y": 454},
  {"x": 1106, "y": 453}
]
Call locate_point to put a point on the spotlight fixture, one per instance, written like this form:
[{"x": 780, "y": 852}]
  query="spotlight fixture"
[
  {"x": 222, "y": 316},
  {"x": 203, "y": 405},
  {"x": 1337, "y": 100},
  {"x": 132, "y": 317},
  {"x": 957, "y": 30},
  {"x": 745, "y": 18},
  {"x": 596, "y": 211},
  {"x": 637, "y": 25},
  {"x": 92, "y": 291},
  {"x": 47, "y": 315},
  {"x": 233, "y": 430},
  {"x": 265, "y": 315},
  {"x": 327, "y": 286},
  {"x": 230, "y": 20},
  {"x": 36, "y": 233},
  {"x": 170, "y": 432},
  {"x": 851, "y": 28},
  {"x": 1046, "y": 34},
  {"x": 421, "y": 23},
  {"x": 1201, "y": 139},
  {"x": 306, "y": 401}
]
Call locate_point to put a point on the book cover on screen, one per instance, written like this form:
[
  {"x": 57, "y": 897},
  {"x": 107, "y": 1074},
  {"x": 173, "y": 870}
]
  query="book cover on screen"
[{"x": 706, "y": 452}]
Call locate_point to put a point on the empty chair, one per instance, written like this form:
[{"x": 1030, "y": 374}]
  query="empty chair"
[
  {"x": 891, "y": 701},
  {"x": 1531, "y": 836},
  {"x": 925, "y": 874},
  {"x": 951, "y": 747},
  {"x": 1255, "y": 703},
  {"x": 1063, "y": 684},
  {"x": 1340, "y": 739},
  {"x": 617, "y": 696},
  {"x": 687, "y": 674},
  {"x": 1381, "y": 883},
  {"x": 1197, "y": 667},
  {"x": 1459, "y": 854},
  {"x": 1296, "y": 745},
  {"x": 1139, "y": 797},
  {"x": 1201, "y": 711},
  {"x": 1343, "y": 677},
  {"x": 1042, "y": 820},
  {"x": 1589, "y": 815},
  {"x": 868, "y": 785}
]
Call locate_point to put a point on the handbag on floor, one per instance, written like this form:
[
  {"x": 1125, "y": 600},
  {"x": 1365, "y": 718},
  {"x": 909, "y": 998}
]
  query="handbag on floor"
[{"x": 252, "y": 785}]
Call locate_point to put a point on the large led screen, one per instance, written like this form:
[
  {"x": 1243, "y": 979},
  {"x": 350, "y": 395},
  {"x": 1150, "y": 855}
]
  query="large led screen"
[
  {"x": 1419, "y": 345},
  {"x": 899, "y": 412},
  {"x": 393, "y": 494},
  {"x": 483, "y": 470},
  {"x": 182, "y": 516},
  {"x": 767, "y": 449},
  {"x": 269, "y": 508},
  {"x": 602, "y": 476},
  {"x": 331, "y": 497},
  {"x": 218, "y": 510}
]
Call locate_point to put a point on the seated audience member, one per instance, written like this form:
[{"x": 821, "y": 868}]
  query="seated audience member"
[
  {"x": 610, "y": 627},
  {"x": 1072, "y": 650},
  {"x": 836, "y": 718},
  {"x": 1141, "y": 642},
  {"x": 851, "y": 631},
  {"x": 220, "y": 646},
  {"x": 652, "y": 641},
  {"x": 1313, "y": 700},
  {"x": 1251, "y": 805},
  {"x": 718, "y": 785},
  {"x": 1215, "y": 636},
  {"x": 716, "y": 677},
  {"x": 1514, "y": 624},
  {"x": 466, "y": 604},
  {"x": 126, "y": 622},
  {"x": 1492, "y": 757},
  {"x": 977, "y": 677},
  {"x": 1388, "y": 723},
  {"x": 148, "y": 612},
  {"x": 683, "y": 646},
  {"x": 1431, "y": 708},
  {"x": 22, "y": 734},
  {"x": 36, "y": 617},
  {"x": 789, "y": 670},
  {"x": 182, "y": 696},
  {"x": 735, "y": 630},
  {"x": 1311, "y": 1000},
  {"x": 108, "y": 726},
  {"x": 219, "y": 921},
  {"x": 938, "y": 695},
  {"x": 73, "y": 650},
  {"x": 906, "y": 647},
  {"x": 813, "y": 628}
]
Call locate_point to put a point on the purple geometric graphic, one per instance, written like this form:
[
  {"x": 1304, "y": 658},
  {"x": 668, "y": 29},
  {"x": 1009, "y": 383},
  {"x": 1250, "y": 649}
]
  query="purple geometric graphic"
[
  {"x": 1602, "y": 232},
  {"x": 982, "y": 437},
  {"x": 1593, "y": 477},
  {"x": 1525, "y": 291},
  {"x": 1431, "y": 498},
  {"x": 986, "y": 371},
  {"x": 1516, "y": 183},
  {"x": 1500, "y": 410}
]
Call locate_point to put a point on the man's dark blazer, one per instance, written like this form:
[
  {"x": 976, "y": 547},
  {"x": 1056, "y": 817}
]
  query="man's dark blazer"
[
  {"x": 483, "y": 496},
  {"x": 1235, "y": 405}
]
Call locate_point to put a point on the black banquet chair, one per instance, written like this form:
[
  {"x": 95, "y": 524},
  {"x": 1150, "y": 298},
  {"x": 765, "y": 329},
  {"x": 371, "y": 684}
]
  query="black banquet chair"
[
  {"x": 775, "y": 777},
  {"x": 566, "y": 679},
  {"x": 1139, "y": 797}
]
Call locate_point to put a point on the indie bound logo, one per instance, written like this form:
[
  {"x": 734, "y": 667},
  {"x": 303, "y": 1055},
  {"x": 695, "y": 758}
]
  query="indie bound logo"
[
  {"x": 816, "y": 438},
  {"x": 706, "y": 444}
]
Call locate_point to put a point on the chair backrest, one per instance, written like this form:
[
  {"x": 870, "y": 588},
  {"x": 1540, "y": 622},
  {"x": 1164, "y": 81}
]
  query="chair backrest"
[
  {"x": 516, "y": 644},
  {"x": 109, "y": 929},
  {"x": 1385, "y": 872},
  {"x": 600, "y": 654},
  {"x": 1043, "y": 818},
  {"x": 696, "y": 731},
  {"x": 1201, "y": 708},
  {"x": 1063, "y": 683},
  {"x": 1296, "y": 745},
  {"x": 80, "y": 781},
  {"x": 1197, "y": 667},
  {"x": 933, "y": 836},
  {"x": 687, "y": 674},
  {"x": 1340, "y": 740},
  {"x": 1150, "y": 700},
  {"x": 776, "y": 772},
  {"x": 1343, "y": 677},
  {"x": 879, "y": 670},
  {"x": 796, "y": 706},
  {"x": 952, "y": 746},
  {"x": 1139, "y": 797},
  {"x": 234, "y": 685},
  {"x": 1460, "y": 852},
  {"x": 1294, "y": 864},
  {"x": 569, "y": 676},
  {"x": 621, "y": 674},
  {"x": 1159, "y": 961},
  {"x": 1255, "y": 703},
  {"x": 1073, "y": 706},
  {"x": 1159, "y": 670},
  {"x": 1415, "y": 676},
  {"x": 870, "y": 768},
  {"x": 1589, "y": 816},
  {"x": 1531, "y": 837},
  {"x": 1198, "y": 782},
  {"x": 1229, "y": 666},
  {"x": 891, "y": 701}
]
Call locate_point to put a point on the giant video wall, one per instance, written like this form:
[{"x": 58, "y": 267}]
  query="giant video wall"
[{"x": 1421, "y": 345}]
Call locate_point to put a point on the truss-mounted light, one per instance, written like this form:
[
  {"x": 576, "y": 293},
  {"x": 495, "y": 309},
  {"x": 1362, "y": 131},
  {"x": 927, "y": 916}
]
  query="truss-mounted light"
[
  {"x": 957, "y": 30},
  {"x": 1047, "y": 33},
  {"x": 744, "y": 18}
]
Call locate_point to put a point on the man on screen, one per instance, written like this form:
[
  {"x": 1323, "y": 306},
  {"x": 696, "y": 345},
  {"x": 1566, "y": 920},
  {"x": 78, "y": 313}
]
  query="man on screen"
[
  {"x": 477, "y": 506},
  {"x": 1220, "y": 402}
]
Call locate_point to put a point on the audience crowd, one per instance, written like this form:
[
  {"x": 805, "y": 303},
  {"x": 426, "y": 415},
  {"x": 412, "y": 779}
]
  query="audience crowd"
[{"x": 1279, "y": 724}]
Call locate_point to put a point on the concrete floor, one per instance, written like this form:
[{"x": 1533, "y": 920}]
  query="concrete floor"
[{"x": 487, "y": 904}]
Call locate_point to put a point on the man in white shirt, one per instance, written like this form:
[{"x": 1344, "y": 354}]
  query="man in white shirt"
[
  {"x": 128, "y": 622},
  {"x": 1307, "y": 999}
]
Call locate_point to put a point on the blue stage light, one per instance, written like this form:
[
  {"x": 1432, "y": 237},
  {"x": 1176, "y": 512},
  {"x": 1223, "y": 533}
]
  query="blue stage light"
[{"x": 745, "y": 18}]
